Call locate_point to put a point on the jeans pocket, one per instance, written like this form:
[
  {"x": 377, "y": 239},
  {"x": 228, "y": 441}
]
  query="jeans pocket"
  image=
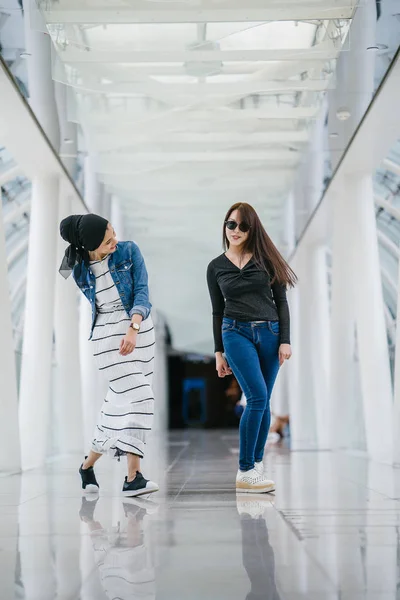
[
  {"x": 273, "y": 326},
  {"x": 227, "y": 326}
]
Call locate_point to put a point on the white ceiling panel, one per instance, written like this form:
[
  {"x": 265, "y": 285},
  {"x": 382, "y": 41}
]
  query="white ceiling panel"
[{"x": 188, "y": 107}]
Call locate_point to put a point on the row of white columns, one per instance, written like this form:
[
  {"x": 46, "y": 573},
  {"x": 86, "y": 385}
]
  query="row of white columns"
[
  {"x": 10, "y": 457},
  {"x": 340, "y": 392},
  {"x": 59, "y": 391}
]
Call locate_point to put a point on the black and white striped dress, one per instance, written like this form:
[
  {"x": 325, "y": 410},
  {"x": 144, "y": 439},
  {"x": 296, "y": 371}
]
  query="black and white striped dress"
[{"x": 127, "y": 413}]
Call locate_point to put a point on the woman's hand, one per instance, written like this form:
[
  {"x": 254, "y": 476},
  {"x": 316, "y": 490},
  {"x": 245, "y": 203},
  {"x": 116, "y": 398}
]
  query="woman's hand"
[
  {"x": 128, "y": 342},
  {"x": 222, "y": 366},
  {"x": 285, "y": 352}
]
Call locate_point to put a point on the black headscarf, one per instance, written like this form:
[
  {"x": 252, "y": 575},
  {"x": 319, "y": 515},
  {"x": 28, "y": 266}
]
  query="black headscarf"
[{"x": 85, "y": 234}]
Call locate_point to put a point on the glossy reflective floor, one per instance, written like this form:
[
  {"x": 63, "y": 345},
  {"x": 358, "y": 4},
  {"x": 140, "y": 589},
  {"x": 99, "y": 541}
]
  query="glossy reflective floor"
[{"x": 331, "y": 532}]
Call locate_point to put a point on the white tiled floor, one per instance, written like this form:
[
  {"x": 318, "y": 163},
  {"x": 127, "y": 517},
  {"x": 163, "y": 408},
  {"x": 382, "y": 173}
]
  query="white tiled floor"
[{"x": 331, "y": 532}]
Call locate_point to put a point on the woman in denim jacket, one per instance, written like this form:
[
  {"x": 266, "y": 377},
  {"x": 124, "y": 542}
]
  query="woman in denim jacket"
[
  {"x": 251, "y": 322},
  {"x": 113, "y": 277}
]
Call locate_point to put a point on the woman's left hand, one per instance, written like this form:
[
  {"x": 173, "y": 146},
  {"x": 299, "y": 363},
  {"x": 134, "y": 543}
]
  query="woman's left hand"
[
  {"x": 285, "y": 352},
  {"x": 128, "y": 342}
]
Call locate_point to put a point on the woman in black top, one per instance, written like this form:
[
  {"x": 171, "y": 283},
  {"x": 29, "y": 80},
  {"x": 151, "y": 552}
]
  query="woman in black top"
[{"x": 251, "y": 325}]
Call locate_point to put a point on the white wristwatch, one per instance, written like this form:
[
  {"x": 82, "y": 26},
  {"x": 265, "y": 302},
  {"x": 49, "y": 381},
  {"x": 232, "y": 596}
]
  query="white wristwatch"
[{"x": 135, "y": 326}]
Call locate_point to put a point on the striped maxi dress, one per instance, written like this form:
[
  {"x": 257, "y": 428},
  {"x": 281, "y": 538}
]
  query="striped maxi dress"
[{"x": 127, "y": 412}]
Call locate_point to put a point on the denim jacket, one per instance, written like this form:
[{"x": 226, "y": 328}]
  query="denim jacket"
[{"x": 129, "y": 273}]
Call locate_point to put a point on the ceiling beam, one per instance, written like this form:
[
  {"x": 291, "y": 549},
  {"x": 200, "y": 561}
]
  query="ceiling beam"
[
  {"x": 165, "y": 69},
  {"x": 200, "y": 175},
  {"x": 168, "y": 171},
  {"x": 199, "y": 184},
  {"x": 151, "y": 209},
  {"x": 8, "y": 172},
  {"x": 126, "y": 162},
  {"x": 389, "y": 208},
  {"x": 178, "y": 186},
  {"x": 81, "y": 55},
  {"x": 76, "y": 11},
  {"x": 107, "y": 142},
  {"x": 123, "y": 118},
  {"x": 184, "y": 187},
  {"x": 201, "y": 91},
  {"x": 391, "y": 166}
]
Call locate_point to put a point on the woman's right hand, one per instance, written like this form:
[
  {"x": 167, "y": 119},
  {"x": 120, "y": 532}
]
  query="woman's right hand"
[{"x": 222, "y": 366}]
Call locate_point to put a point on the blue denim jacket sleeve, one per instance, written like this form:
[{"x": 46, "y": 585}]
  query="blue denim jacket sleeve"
[{"x": 141, "y": 303}]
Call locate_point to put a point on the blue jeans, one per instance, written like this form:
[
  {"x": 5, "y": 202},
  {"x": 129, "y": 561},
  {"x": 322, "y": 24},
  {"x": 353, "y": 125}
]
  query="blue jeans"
[{"x": 251, "y": 350}]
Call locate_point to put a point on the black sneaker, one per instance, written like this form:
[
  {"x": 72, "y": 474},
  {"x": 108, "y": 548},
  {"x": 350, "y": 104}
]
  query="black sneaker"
[
  {"x": 138, "y": 486},
  {"x": 86, "y": 512},
  {"x": 131, "y": 505},
  {"x": 136, "y": 512},
  {"x": 89, "y": 482}
]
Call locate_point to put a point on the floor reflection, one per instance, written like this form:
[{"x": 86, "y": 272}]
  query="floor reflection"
[
  {"x": 331, "y": 532},
  {"x": 122, "y": 554},
  {"x": 257, "y": 553}
]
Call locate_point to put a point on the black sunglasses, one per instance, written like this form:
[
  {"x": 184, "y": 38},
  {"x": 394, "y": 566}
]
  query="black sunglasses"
[{"x": 243, "y": 226}]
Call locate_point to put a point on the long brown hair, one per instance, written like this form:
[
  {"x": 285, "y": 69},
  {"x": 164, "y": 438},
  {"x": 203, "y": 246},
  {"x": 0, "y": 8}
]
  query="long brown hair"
[{"x": 259, "y": 244}]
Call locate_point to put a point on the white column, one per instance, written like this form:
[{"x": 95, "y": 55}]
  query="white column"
[
  {"x": 68, "y": 402},
  {"x": 280, "y": 395},
  {"x": 309, "y": 410},
  {"x": 314, "y": 172},
  {"x": 289, "y": 225},
  {"x": 117, "y": 217},
  {"x": 355, "y": 77},
  {"x": 93, "y": 188},
  {"x": 93, "y": 384},
  {"x": 156, "y": 457},
  {"x": 302, "y": 405},
  {"x": 100, "y": 199},
  {"x": 10, "y": 457},
  {"x": 294, "y": 376},
  {"x": 96, "y": 196},
  {"x": 371, "y": 328},
  {"x": 106, "y": 203},
  {"x": 317, "y": 281},
  {"x": 68, "y": 131},
  {"x": 313, "y": 363},
  {"x": 396, "y": 407},
  {"x": 345, "y": 405},
  {"x": 279, "y": 399},
  {"x": 35, "y": 390}
]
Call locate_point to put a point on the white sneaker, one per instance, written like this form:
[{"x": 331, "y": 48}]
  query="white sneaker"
[
  {"x": 252, "y": 482},
  {"x": 259, "y": 467},
  {"x": 253, "y": 506}
]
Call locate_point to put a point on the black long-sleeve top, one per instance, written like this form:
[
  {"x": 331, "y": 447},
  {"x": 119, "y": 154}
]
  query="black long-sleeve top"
[{"x": 246, "y": 294}]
